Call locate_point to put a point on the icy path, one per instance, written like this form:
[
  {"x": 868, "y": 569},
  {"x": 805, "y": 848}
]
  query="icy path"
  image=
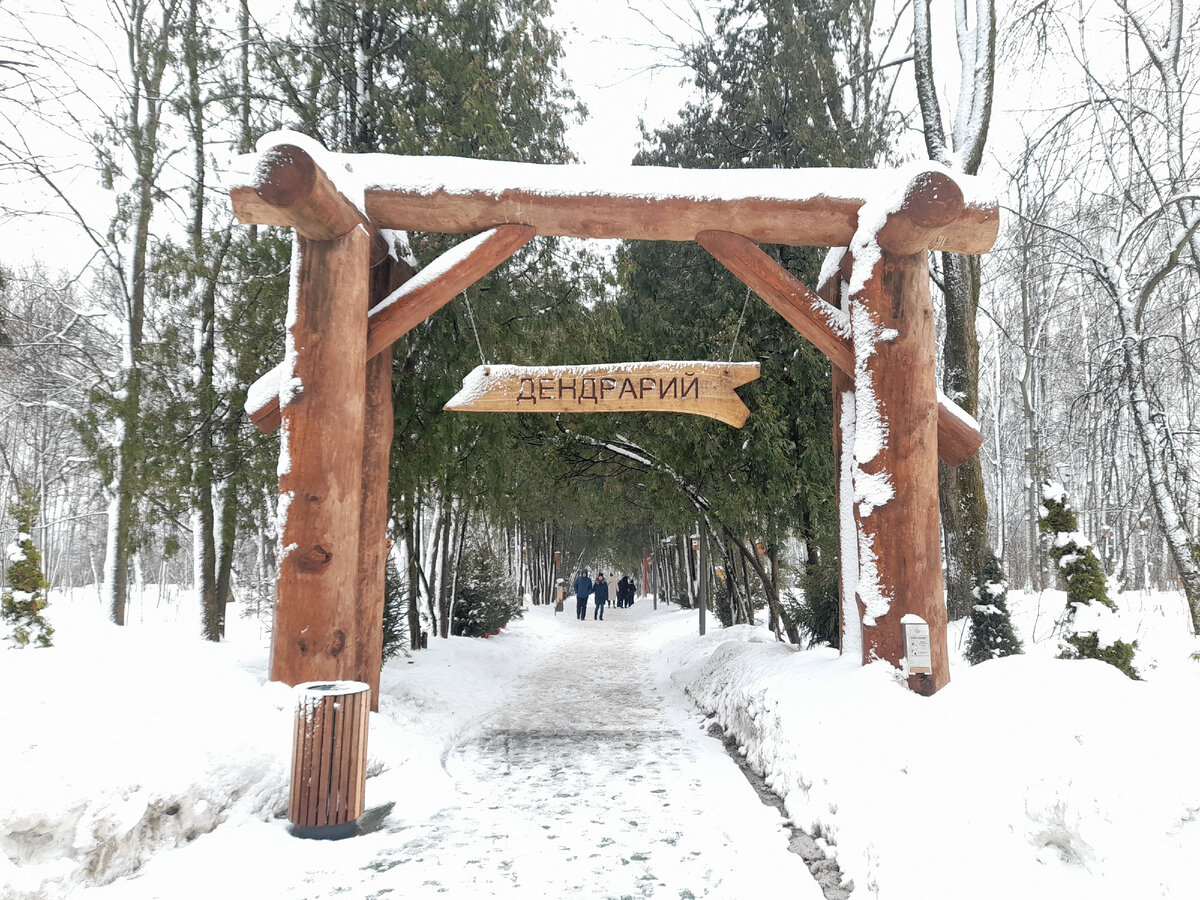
[{"x": 591, "y": 780}]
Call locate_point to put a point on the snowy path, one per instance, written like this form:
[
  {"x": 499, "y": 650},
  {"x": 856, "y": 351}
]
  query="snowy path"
[
  {"x": 590, "y": 780},
  {"x": 588, "y": 784}
]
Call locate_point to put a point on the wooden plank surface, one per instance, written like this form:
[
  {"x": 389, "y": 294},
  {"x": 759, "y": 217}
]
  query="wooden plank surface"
[
  {"x": 329, "y": 755},
  {"x": 697, "y": 388}
]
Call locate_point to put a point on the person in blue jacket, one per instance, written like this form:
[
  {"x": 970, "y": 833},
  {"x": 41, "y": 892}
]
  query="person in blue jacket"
[
  {"x": 583, "y": 587},
  {"x": 601, "y": 587}
]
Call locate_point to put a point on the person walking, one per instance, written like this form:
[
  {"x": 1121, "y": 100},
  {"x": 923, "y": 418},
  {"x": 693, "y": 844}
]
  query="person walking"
[
  {"x": 583, "y": 587},
  {"x": 601, "y": 596},
  {"x": 624, "y": 592}
]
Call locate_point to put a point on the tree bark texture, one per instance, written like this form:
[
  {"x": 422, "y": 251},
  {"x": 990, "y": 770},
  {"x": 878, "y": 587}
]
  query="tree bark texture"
[
  {"x": 321, "y": 463},
  {"x": 895, "y": 472},
  {"x": 377, "y": 447},
  {"x": 963, "y": 498}
]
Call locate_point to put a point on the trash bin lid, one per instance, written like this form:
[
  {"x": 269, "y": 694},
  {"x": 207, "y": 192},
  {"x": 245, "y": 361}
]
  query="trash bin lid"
[{"x": 333, "y": 688}]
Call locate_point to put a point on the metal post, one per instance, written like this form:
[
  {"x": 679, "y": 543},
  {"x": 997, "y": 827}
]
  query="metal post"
[{"x": 703, "y": 575}]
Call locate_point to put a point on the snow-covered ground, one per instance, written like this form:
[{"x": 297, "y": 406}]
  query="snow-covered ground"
[{"x": 566, "y": 757}]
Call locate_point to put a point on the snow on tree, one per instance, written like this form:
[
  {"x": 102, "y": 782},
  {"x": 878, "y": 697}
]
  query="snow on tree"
[
  {"x": 992, "y": 634},
  {"x": 21, "y": 621},
  {"x": 1090, "y": 626},
  {"x": 486, "y": 598}
]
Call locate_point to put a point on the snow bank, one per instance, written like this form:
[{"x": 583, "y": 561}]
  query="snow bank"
[
  {"x": 125, "y": 747},
  {"x": 1026, "y": 775}
]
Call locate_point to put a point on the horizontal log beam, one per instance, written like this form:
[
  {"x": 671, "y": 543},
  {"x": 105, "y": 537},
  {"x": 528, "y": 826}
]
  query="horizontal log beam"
[
  {"x": 412, "y": 303},
  {"x": 958, "y": 438},
  {"x": 800, "y": 207},
  {"x": 289, "y": 189}
]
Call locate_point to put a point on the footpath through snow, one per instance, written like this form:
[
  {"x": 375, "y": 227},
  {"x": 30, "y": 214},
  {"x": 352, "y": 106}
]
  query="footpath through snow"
[{"x": 588, "y": 781}]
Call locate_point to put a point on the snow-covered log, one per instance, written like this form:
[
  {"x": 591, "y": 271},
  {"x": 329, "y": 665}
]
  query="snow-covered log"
[
  {"x": 800, "y": 207},
  {"x": 413, "y": 301},
  {"x": 827, "y": 328}
]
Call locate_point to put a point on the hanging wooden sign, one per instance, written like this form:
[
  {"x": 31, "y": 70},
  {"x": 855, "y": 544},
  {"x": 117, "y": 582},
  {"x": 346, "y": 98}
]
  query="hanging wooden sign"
[{"x": 698, "y": 388}]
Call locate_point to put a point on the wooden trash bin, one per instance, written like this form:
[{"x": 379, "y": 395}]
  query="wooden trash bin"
[{"x": 329, "y": 758}]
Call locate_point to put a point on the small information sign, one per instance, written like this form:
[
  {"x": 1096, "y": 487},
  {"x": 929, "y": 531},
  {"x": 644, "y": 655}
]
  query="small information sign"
[{"x": 917, "y": 645}]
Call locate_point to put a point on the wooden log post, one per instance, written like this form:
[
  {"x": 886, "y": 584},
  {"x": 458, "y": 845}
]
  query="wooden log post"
[
  {"x": 377, "y": 448},
  {"x": 329, "y": 759},
  {"x": 815, "y": 318},
  {"x": 323, "y": 397},
  {"x": 895, "y": 480}
]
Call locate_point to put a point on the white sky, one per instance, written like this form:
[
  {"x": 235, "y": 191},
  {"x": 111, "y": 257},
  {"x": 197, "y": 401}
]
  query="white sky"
[
  {"x": 613, "y": 59},
  {"x": 619, "y": 67}
]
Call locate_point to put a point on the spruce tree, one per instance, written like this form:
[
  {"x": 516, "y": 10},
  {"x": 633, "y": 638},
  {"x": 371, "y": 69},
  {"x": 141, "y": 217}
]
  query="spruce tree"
[
  {"x": 24, "y": 598},
  {"x": 486, "y": 599},
  {"x": 1089, "y": 609},
  {"x": 992, "y": 634}
]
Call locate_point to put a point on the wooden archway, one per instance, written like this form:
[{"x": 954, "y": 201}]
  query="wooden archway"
[{"x": 351, "y": 299}]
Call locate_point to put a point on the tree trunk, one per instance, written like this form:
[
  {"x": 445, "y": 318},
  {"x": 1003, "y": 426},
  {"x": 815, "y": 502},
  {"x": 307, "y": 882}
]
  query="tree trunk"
[
  {"x": 962, "y": 498},
  {"x": 1156, "y": 455},
  {"x": 414, "y": 578}
]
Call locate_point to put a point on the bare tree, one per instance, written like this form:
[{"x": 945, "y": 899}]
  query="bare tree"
[
  {"x": 122, "y": 108},
  {"x": 1132, "y": 233}
]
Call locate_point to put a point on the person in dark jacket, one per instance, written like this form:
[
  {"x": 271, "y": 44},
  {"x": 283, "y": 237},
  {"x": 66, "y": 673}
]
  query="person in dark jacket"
[
  {"x": 623, "y": 592},
  {"x": 601, "y": 587},
  {"x": 583, "y": 587}
]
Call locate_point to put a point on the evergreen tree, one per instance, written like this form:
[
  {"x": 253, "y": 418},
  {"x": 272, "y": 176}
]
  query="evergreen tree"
[
  {"x": 771, "y": 96},
  {"x": 486, "y": 599},
  {"x": 1090, "y": 613},
  {"x": 395, "y": 607},
  {"x": 992, "y": 634},
  {"x": 24, "y": 598}
]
